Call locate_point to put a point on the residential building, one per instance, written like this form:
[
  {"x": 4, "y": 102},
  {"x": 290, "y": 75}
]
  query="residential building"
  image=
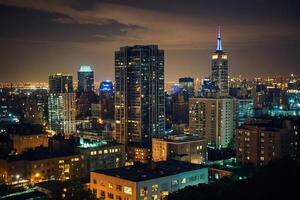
[
  {"x": 260, "y": 141},
  {"x": 212, "y": 119}
]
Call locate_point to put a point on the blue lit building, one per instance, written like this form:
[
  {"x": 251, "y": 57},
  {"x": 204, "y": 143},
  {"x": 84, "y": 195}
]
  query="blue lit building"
[
  {"x": 85, "y": 79},
  {"x": 293, "y": 99},
  {"x": 106, "y": 92},
  {"x": 106, "y": 87},
  {"x": 176, "y": 88},
  {"x": 207, "y": 87},
  {"x": 243, "y": 108}
]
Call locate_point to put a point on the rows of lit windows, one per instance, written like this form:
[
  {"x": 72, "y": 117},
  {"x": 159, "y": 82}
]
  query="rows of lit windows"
[{"x": 105, "y": 151}]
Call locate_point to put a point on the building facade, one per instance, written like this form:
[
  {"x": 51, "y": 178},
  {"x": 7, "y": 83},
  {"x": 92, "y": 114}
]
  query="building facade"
[
  {"x": 37, "y": 166},
  {"x": 141, "y": 182},
  {"x": 179, "y": 147},
  {"x": 61, "y": 104},
  {"x": 101, "y": 155},
  {"x": 139, "y": 94},
  {"x": 212, "y": 119},
  {"x": 259, "y": 143}
]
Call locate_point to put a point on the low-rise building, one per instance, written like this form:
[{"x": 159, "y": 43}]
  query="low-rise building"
[
  {"x": 23, "y": 137},
  {"x": 101, "y": 155},
  {"x": 186, "y": 148},
  {"x": 141, "y": 181},
  {"x": 41, "y": 165}
]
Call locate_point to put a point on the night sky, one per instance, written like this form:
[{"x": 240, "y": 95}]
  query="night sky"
[{"x": 39, "y": 37}]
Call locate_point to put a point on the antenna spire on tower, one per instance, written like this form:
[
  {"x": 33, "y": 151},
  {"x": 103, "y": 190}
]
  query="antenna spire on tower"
[{"x": 219, "y": 41}]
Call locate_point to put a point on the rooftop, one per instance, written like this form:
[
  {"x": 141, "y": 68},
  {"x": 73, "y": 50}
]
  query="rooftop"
[
  {"x": 40, "y": 153},
  {"x": 24, "y": 129},
  {"x": 85, "y": 68},
  {"x": 142, "y": 172},
  {"x": 181, "y": 138}
]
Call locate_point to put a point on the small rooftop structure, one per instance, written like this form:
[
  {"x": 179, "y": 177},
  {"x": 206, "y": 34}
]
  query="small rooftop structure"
[{"x": 85, "y": 68}]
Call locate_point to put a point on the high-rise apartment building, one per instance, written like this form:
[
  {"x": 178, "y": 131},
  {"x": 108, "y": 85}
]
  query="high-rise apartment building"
[
  {"x": 139, "y": 94},
  {"x": 61, "y": 104},
  {"x": 212, "y": 119},
  {"x": 219, "y": 68}
]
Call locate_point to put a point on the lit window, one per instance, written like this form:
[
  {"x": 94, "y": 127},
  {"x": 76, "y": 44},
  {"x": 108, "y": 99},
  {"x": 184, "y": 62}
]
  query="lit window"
[
  {"x": 154, "y": 188},
  {"x": 105, "y": 151},
  {"x": 183, "y": 181},
  {"x": 110, "y": 185},
  {"x": 143, "y": 191},
  {"x": 127, "y": 190}
]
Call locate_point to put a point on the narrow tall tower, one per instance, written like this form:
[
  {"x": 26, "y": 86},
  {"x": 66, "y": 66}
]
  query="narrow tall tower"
[{"x": 219, "y": 68}]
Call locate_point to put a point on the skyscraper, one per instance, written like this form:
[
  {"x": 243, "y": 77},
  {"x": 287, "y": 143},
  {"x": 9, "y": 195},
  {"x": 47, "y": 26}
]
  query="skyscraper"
[
  {"x": 60, "y": 83},
  {"x": 61, "y": 104},
  {"x": 219, "y": 66},
  {"x": 106, "y": 93},
  {"x": 139, "y": 94},
  {"x": 85, "y": 79},
  {"x": 188, "y": 87}
]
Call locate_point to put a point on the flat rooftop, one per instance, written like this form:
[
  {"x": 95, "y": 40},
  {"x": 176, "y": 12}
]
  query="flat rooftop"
[
  {"x": 142, "y": 172},
  {"x": 24, "y": 129},
  {"x": 38, "y": 154},
  {"x": 181, "y": 138}
]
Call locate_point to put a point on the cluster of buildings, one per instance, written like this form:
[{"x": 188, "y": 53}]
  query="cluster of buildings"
[{"x": 137, "y": 137}]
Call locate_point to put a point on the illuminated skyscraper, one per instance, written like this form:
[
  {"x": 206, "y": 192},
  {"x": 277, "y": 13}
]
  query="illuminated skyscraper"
[
  {"x": 60, "y": 83},
  {"x": 139, "y": 94},
  {"x": 188, "y": 87},
  {"x": 61, "y": 104},
  {"x": 85, "y": 79},
  {"x": 219, "y": 68},
  {"x": 106, "y": 92}
]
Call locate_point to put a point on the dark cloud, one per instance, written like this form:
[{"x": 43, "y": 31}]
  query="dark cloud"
[
  {"x": 28, "y": 24},
  {"x": 261, "y": 36}
]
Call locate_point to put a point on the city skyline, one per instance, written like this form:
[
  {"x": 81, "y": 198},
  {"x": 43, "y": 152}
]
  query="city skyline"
[{"x": 59, "y": 36}]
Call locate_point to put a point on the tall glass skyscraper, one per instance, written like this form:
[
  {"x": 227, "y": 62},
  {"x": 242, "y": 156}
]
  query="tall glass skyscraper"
[
  {"x": 61, "y": 104},
  {"x": 85, "y": 79},
  {"x": 139, "y": 94},
  {"x": 60, "y": 83},
  {"x": 219, "y": 68}
]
